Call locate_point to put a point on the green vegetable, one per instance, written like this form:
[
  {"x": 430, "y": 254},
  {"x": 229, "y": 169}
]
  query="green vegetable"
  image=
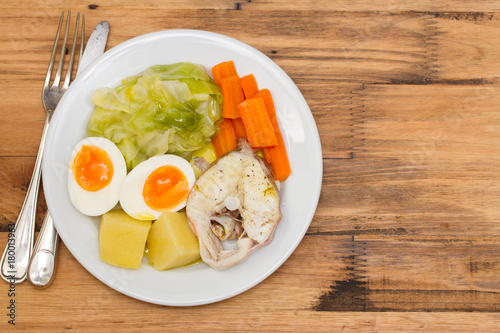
[{"x": 166, "y": 109}]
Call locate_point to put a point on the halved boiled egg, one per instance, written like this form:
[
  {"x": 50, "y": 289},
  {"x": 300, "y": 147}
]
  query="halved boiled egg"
[
  {"x": 159, "y": 184},
  {"x": 97, "y": 170}
]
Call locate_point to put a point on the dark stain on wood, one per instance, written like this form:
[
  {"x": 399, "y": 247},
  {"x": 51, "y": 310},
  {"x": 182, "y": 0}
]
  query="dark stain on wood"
[
  {"x": 409, "y": 300},
  {"x": 435, "y": 240},
  {"x": 349, "y": 294},
  {"x": 348, "y": 155},
  {"x": 464, "y": 16},
  {"x": 476, "y": 266},
  {"x": 20, "y": 187},
  {"x": 93, "y": 6},
  {"x": 360, "y": 290},
  {"x": 238, "y": 5},
  {"x": 429, "y": 81},
  {"x": 358, "y": 231}
]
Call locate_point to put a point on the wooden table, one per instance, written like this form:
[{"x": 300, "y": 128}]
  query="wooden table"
[{"x": 406, "y": 98}]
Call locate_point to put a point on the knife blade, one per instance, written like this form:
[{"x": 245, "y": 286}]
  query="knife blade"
[
  {"x": 95, "y": 45},
  {"x": 42, "y": 264}
]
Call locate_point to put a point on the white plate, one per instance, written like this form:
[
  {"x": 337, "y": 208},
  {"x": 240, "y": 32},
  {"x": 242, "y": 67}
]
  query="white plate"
[{"x": 197, "y": 284}]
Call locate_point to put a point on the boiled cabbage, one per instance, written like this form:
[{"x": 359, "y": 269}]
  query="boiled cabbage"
[{"x": 166, "y": 109}]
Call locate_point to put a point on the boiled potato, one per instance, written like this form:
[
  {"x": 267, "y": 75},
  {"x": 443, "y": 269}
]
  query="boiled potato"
[
  {"x": 122, "y": 239},
  {"x": 207, "y": 152},
  {"x": 171, "y": 243}
]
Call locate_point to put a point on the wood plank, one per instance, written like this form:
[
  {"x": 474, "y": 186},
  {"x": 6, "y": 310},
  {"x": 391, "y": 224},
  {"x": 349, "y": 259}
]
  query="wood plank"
[
  {"x": 365, "y": 46},
  {"x": 408, "y": 273},
  {"x": 343, "y": 273},
  {"x": 332, "y": 107},
  {"x": 318, "y": 5},
  {"x": 462, "y": 56},
  {"x": 427, "y": 164},
  {"x": 431, "y": 126}
]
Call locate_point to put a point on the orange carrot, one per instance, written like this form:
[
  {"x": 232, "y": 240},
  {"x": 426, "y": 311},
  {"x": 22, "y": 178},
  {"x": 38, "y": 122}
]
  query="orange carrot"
[
  {"x": 225, "y": 141},
  {"x": 265, "y": 94},
  {"x": 222, "y": 70},
  {"x": 233, "y": 95},
  {"x": 239, "y": 128},
  {"x": 249, "y": 85},
  {"x": 260, "y": 132},
  {"x": 275, "y": 156},
  {"x": 278, "y": 160},
  {"x": 260, "y": 128}
]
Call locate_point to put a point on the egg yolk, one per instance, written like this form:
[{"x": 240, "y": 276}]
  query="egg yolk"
[
  {"x": 165, "y": 188},
  {"x": 92, "y": 168}
]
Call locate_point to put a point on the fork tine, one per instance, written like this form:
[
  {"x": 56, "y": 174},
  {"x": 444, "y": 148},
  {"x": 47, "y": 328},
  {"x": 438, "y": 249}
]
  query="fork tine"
[
  {"x": 57, "y": 78},
  {"x": 54, "y": 50},
  {"x": 82, "y": 41},
  {"x": 73, "y": 49}
]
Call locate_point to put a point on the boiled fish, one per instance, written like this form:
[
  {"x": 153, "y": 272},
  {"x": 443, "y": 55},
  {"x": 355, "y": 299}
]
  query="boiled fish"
[{"x": 234, "y": 198}]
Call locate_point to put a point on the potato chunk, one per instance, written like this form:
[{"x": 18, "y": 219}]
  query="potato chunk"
[
  {"x": 171, "y": 243},
  {"x": 122, "y": 239}
]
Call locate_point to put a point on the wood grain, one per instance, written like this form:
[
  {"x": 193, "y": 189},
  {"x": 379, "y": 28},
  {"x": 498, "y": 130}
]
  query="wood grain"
[{"x": 405, "y": 95}]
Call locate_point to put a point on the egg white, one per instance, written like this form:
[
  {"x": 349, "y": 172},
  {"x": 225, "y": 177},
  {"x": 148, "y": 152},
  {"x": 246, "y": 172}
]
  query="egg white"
[
  {"x": 131, "y": 198},
  {"x": 98, "y": 202}
]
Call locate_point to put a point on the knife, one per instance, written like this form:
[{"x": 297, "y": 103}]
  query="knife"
[
  {"x": 42, "y": 266},
  {"x": 95, "y": 45}
]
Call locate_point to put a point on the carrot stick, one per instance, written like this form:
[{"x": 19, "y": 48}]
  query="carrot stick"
[
  {"x": 239, "y": 128},
  {"x": 265, "y": 94},
  {"x": 260, "y": 132},
  {"x": 275, "y": 156},
  {"x": 278, "y": 160},
  {"x": 225, "y": 141},
  {"x": 222, "y": 70},
  {"x": 233, "y": 95},
  {"x": 249, "y": 85}
]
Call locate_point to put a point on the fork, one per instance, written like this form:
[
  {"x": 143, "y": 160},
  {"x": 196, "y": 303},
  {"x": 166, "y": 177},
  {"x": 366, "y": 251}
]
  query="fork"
[{"x": 17, "y": 253}]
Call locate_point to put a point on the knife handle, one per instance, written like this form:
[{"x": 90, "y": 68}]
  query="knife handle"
[{"x": 42, "y": 267}]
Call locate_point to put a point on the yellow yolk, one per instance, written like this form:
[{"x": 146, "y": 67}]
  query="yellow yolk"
[
  {"x": 165, "y": 188},
  {"x": 92, "y": 168}
]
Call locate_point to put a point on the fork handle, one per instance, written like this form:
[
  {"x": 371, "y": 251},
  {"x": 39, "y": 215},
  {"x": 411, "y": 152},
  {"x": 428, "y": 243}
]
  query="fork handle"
[
  {"x": 42, "y": 265},
  {"x": 17, "y": 252}
]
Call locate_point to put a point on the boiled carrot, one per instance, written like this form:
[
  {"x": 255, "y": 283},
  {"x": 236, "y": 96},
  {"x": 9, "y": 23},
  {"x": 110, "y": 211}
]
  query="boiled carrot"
[
  {"x": 253, "y": 125},
  {"x": 265, "y": 94},
  {"x": 232, "y": 96},
  {"x": 222, "y": 70},
  {"x": 278, "y": 159},
  {"x": 239, "y": 128},
  {"x": 225, "y": 140},
  {"x": 260, "y": 132},
  {"x": 275, "y": 156},
  {"x": 249, "y": 85}
]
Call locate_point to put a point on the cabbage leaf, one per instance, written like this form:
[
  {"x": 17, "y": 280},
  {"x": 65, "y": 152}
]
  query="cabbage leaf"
[{"x": 172, "y": 109}]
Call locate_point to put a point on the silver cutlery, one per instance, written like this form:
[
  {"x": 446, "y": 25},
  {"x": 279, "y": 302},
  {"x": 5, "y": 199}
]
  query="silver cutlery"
[
  {"x": 17, "y": 256},
  {"x": 42, "y": 266},
  {"x": 95, "y": 45},
  {"x": 17, "y": 253}
]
